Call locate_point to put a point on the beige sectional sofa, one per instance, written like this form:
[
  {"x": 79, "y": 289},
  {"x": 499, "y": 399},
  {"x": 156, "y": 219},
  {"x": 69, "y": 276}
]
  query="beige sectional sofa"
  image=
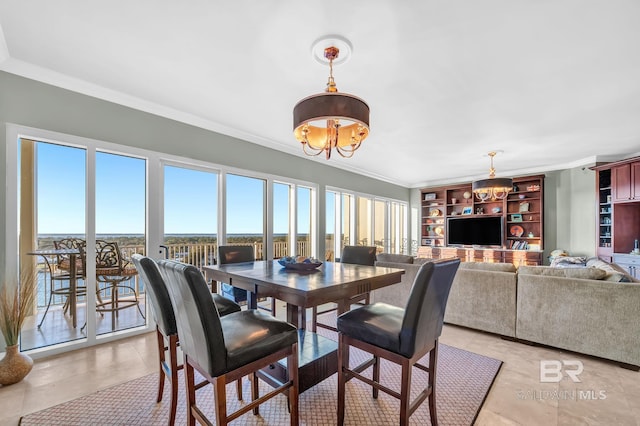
[
  {"x": 483, "y": 297},
  {"x": 572, "y": 310},
  {"x": 584, "y": 310},
  {"x": 397, "y": 294}
]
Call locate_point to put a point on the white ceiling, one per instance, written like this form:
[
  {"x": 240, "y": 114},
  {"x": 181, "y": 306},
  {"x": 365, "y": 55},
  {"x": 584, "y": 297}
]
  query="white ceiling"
[{"x": 552, "y": 83}]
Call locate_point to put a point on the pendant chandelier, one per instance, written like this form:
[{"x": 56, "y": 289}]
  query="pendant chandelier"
[
  {"x": 492, "y": 188},
  {"x": 331, "y": 120}
]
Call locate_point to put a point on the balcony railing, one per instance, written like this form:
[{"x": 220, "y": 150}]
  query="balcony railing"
[{"x": 197, "y": 254}]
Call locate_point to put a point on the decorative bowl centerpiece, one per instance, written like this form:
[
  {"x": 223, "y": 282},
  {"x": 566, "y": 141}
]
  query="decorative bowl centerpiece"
[{"x": 299, "y": 263}]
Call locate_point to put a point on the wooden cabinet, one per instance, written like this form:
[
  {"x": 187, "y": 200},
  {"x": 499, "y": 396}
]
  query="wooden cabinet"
[
  {"x": 626, "y": 182},
  {"x": 522, "y": 214},
  {"x": 517, "y": 257},
  {"x": 618, "y": 207}
]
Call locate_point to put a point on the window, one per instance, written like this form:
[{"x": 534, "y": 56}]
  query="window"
[
  {"x": 245, "y": 212},
  {"x": 380, "y": 222},
  {"x": 282, "y": 220},
  {"x": 190, "y": 234},
  {"x": 304, "y": 225},
  {"x": 364, "y": 222}
]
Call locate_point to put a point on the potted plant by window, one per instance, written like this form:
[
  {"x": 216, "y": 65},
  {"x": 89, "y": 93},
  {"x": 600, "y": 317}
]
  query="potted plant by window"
[{"x": 16, "y": 302}]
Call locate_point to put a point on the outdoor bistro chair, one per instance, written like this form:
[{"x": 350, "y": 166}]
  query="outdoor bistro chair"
[
  {"x": 402, "y": 336},
  {"x": 224, "y": 349},
  {"x": 238, "y": 254},
  {"x": 59, "y": 272},
  {"x": 113, "y": 276},
  {"x": 166, "y": 329},
  {"x": 357, "y": 255}
]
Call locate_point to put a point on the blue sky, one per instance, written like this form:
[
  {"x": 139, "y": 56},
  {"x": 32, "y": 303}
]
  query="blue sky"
[{"x": 190, "y": 205}]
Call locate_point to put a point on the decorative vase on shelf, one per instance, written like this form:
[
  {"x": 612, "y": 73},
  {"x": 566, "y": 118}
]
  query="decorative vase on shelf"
[{"x": 14, "y": 366}]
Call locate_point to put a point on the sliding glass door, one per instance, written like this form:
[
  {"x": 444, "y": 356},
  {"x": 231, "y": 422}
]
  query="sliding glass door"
[
  {"x": 59, "y": 184},
  {"x": 120, "y": 212},
  {"x": 52, "y": 196}
]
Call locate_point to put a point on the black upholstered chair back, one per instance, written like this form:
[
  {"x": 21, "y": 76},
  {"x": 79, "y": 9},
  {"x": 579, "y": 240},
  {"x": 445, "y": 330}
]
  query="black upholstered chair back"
[
  {"x": 235, "y": 254},
  {"x": 424, "y": 313},
  {"x": 156, "y": 289},
  {"x": 359, "y": 255},
  {"x": 197, "y": 318}
]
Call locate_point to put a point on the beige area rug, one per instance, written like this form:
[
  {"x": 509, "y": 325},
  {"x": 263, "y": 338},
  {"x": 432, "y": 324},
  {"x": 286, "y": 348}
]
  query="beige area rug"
[{"x": 463, "y": 382}]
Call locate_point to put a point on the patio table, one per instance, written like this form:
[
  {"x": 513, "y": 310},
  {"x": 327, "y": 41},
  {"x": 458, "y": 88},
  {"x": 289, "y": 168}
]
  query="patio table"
[{"x": 72, "y": 253}]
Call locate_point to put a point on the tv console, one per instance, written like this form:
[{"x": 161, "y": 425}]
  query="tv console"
[
  {"x": 475, "y": 254},
  {"x": 522, "y": 213}
]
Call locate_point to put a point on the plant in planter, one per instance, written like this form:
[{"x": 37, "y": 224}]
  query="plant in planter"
[{"x": 15, "y": 305}]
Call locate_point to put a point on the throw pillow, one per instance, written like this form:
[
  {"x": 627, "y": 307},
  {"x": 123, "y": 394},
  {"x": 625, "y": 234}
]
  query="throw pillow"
[
  {"x": 618, "y": 277},
  {"x": 614, "y": 273},
  {"x": 569, "y": 262}
]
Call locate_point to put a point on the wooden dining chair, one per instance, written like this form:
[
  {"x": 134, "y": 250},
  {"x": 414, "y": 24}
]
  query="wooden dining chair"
[
  {"x": 224, "y": 349},
  {"x": 402, "y": 336},
  {"x": 166, "y": 328},
  {"x": 356, "y": 255}
]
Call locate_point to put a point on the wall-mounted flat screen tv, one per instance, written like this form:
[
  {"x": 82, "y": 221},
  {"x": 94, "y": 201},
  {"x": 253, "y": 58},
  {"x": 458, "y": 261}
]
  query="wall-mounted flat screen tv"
[{"x": 475, "y": 231}]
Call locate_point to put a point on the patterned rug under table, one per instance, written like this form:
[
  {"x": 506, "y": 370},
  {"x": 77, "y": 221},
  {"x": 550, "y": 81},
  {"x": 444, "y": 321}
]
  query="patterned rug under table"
[{"x": 463, "y": 382}]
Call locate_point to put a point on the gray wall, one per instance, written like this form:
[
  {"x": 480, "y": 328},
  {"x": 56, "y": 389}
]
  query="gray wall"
[
  {"x": 569, "y": 194},
  {"x": 30, "y": 103},
  {"x": 570, "y": 211}
]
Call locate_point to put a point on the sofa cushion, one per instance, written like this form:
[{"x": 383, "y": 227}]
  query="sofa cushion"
[
  {"x": 421, "y": 260},
  {"x": 486, "y": 266},
  {"x": 577, "y": 273},
  {"x": 582, "y": 273},
  {"x": 396, "y": 258},
  {"x": 614, "y": 273},
  {"x": 569, "y": 262}
]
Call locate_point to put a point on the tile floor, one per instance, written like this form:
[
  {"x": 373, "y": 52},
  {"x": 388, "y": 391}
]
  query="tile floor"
[{"x": 606, "y": 395}]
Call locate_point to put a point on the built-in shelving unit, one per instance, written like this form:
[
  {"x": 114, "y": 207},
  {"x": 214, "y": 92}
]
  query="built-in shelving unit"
[
  {"x": 522, "y": 213},
  {"x": 618, "y": 209}
]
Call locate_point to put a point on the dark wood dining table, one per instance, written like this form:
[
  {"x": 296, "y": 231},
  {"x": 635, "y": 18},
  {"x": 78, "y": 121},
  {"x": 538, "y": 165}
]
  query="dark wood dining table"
[{"x": 331, "y": 282}]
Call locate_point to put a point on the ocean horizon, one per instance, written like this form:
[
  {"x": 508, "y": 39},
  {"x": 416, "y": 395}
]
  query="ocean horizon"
[{"x": 111, "y": 235}]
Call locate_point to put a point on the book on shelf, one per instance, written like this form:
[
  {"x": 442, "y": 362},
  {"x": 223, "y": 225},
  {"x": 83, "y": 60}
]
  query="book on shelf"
[{"x": 519, "y": 245}]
